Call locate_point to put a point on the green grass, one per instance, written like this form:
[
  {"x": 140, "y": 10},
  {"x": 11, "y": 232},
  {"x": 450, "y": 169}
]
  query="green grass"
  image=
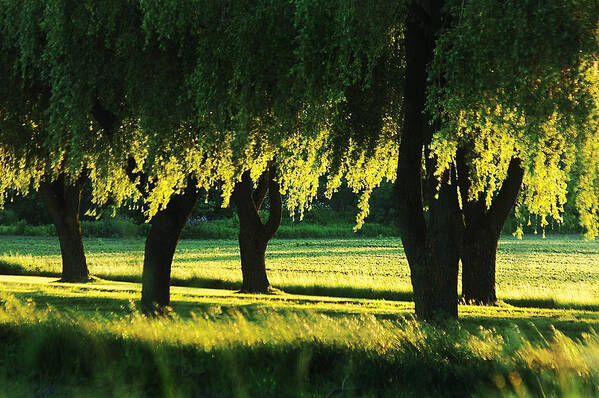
[
  {"x": 329, "y": 335},
  {"x": 89, "y": 340},
  {"x": 553, "y": 272}
]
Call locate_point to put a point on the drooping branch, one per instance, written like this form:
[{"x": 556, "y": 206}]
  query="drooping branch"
[{"x": 474, "y": 210}]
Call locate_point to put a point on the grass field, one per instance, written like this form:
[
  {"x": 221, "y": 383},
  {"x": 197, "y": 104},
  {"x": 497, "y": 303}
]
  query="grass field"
[
  {"x": 561, "y": 271},
  {"x": 329, "y": 335}
]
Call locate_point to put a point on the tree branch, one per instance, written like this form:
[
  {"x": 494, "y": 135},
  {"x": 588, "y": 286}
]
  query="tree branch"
[
  {"x": 505, "y": 199},
  {"x": 261, "y": 189},
  {"x": 242, "y": 197},
  {"x": 276, "y": 205}
]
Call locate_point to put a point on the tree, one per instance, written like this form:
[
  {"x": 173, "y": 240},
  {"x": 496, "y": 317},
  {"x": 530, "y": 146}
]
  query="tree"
[
  {"x": 254, "y": 234},
  {"x": 512, "y": 82},
  {"x": 29, "y": 158},
  {"x": 493, "y": 81}
]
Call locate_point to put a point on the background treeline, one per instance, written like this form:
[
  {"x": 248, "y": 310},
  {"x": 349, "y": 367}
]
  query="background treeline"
[{"x": 328, "y": 218}]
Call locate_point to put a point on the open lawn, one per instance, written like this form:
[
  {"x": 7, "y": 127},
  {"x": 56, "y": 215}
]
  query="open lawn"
[
  {"x": 560, "y": 271},
  {"x": 333, "y": 340}
]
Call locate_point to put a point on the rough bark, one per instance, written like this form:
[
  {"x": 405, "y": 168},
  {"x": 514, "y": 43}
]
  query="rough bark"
[
  {"x": 483, "y": 230},
  {"x": 165, "y": 231},
  {"x": 432, "y": 246},
  {"x": 254, "y": 235},
  {"x": 63, "y": 201}
]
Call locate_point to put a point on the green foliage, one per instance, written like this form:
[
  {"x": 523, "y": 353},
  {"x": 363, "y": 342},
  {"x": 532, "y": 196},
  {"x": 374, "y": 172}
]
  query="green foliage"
[
  {"x": 192, "y": 91},
  {"x": 519, "y": 79}
]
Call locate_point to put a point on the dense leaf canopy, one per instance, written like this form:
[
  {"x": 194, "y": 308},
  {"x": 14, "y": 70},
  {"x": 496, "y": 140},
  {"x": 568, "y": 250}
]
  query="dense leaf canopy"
[
  {"x": 203, "y": 90},
  {"x": 519, "y": 79}
]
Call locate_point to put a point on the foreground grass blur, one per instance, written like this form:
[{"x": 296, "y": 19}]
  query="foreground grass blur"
[{"x": 95, "y": 343}]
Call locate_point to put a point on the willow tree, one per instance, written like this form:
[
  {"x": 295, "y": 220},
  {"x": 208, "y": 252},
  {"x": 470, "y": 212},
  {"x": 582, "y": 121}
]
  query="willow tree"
[
  {"x": 511, "y": 90},
  {"x": 286, "y": 116},
  {"x": 499, "y": 90},
  {"x": 238, "y": 90},
  {"x": 32, "y": 154}
]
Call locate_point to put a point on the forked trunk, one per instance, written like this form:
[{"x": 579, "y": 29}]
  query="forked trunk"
[
  {"x": 63, "y": 201},
  {"x": 483, "y": 230},
  {"x": 165, "y": 231},
  {"x": 254, "y": 235}
]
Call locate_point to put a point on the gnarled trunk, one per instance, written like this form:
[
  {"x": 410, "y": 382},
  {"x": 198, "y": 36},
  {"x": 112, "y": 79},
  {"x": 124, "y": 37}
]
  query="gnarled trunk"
[
  {"x": 254, "y": 235},
  {"x": 63, "y": 201},
  {"x": 483, "y": 230},
  {"x": 161, "y": 243}
]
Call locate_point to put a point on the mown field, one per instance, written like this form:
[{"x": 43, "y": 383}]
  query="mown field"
[
  {"x": 556, "y": 271},
  {"x": 329, "y": 335}
]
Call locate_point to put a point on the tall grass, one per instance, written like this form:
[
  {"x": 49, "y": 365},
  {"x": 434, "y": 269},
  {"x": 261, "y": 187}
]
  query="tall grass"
[{"x": 278, "y": 353}]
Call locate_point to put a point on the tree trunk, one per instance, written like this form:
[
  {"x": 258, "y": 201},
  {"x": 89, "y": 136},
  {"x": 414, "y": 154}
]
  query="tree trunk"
[
  {"x": 483, "y": 230},
  {"x": 63, "y": 201},
  {"x": 254, "y": 235},
  {"x": 252, "y": 247},
  {"x": 432, "y": 246},
  {"x": 165, "y": 231},
  {"x": 479, "y": 251},
  {"x": 438, "y": 297}
]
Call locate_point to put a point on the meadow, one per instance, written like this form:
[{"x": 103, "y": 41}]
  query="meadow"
[
  {"x": 341, "y": 328},
  {"x": 558, "y": 271}
]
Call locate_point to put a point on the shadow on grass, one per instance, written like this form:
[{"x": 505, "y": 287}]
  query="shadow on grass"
[
  {"x": 316, "y": 290},
  {"x": 109, "y": 307},
  {"x": 9, "y": 268},
  {"x": 550, "y": 304}
]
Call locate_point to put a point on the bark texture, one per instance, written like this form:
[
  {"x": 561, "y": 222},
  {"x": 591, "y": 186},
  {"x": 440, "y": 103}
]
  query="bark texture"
[
  {"x": 165, "y": 231},
  {"x": 63, "y": 201},
  {"x": 254, "y": 234},
  {"x": 483, "y": 230},
  {"x": 432, "y": 244}
]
